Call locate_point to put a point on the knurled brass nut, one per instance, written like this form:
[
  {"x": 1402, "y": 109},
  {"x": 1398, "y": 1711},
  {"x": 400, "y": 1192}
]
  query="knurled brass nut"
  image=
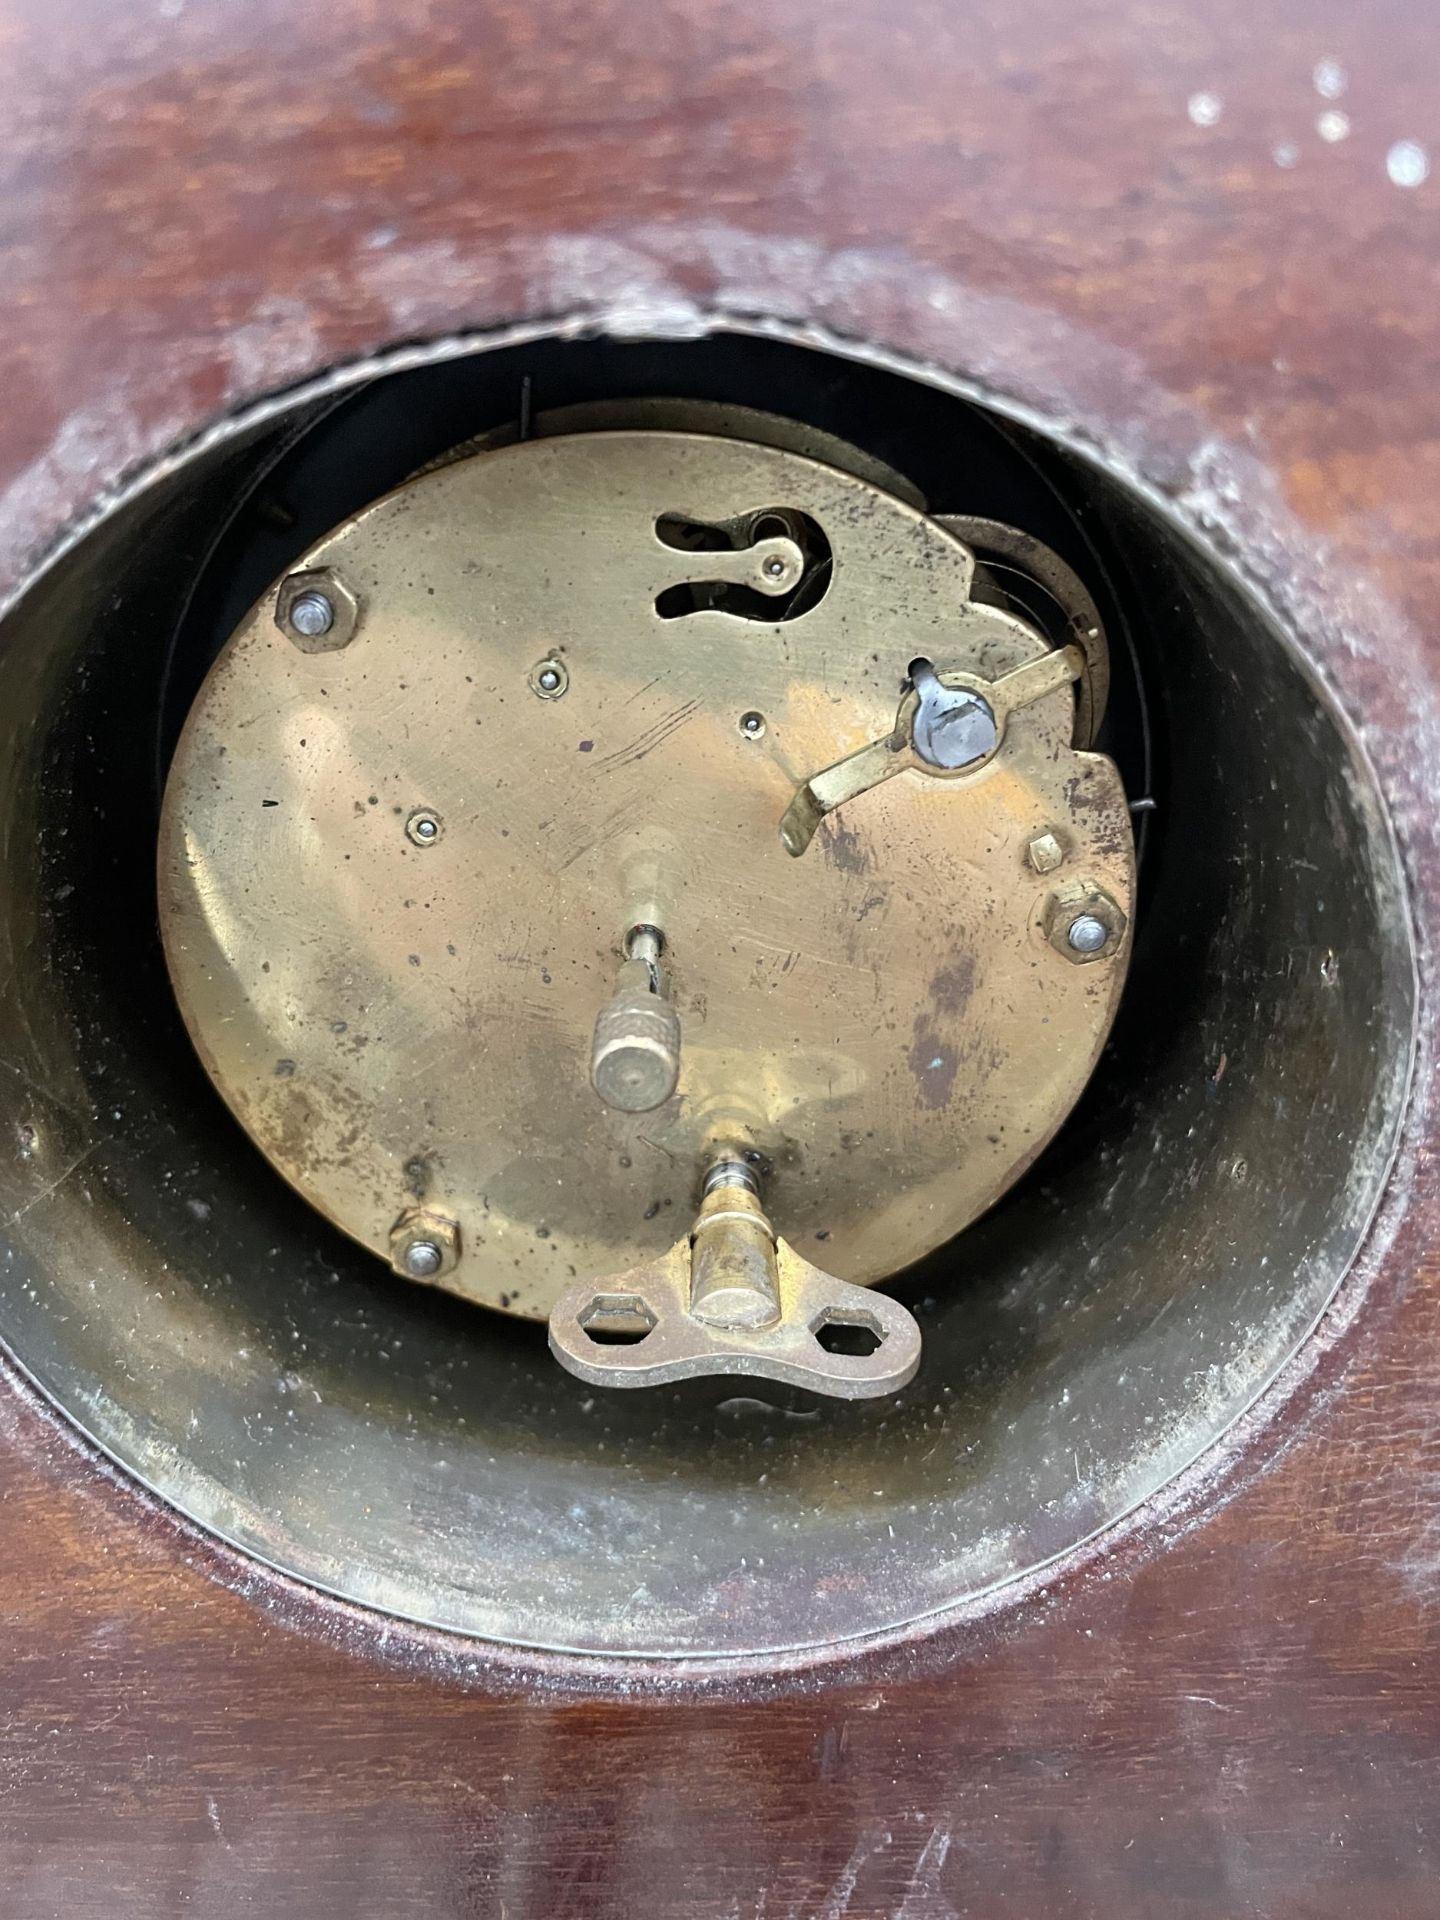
[
  {"x": 424, "y": 1245},
  {"x": 316, "y": 611},
  {"x": 1083, "y": 923}
]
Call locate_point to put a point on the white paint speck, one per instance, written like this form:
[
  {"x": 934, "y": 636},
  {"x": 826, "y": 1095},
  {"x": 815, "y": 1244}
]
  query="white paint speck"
[
  {"x": 1330, "y": 79},
  {"x": 1205, "y": 108},
  {"x": 1285, "y": 155},
  {"x": 381, "y": 237},
  {"x": 1333, "y": 125},
  {"x": 1408, "y": 164}
]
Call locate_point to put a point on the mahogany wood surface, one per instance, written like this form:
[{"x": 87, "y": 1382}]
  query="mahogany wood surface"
[{"x": 1235, "y": 1709}]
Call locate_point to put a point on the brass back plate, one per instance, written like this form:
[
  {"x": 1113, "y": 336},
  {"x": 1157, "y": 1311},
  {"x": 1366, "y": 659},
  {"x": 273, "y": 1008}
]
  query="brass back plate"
[{"x": 885, "y": 1020}]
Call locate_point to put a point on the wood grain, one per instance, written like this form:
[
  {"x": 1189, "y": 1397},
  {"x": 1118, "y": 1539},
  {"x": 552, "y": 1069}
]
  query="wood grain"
[{"x": 1237, "y": 1709}]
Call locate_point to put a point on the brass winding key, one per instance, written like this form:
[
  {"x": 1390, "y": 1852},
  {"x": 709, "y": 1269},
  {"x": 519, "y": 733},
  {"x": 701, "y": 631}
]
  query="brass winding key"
[{"x": 732, "y": 1296}]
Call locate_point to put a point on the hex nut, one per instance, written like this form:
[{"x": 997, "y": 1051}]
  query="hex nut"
[
  {"x": 1067, "y": 905},
  {"x": 340, "y": 632},
  {"x": 419, "y": 1228}
]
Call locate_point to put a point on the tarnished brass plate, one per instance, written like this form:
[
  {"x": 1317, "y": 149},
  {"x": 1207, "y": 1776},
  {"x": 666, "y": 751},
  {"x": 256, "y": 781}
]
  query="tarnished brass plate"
[{"x": 405, "y": 1023}]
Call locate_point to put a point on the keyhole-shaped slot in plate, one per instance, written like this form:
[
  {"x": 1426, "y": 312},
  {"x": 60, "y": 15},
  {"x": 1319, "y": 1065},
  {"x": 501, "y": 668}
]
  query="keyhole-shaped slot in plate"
[{"x": 777, "y": 565}]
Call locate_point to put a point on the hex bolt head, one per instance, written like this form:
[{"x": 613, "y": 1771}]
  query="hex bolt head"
[
  {"x": 1084, "y": 923},
  {"x": 424, "y": 1245},
  {"x": 316, "y": 610}
]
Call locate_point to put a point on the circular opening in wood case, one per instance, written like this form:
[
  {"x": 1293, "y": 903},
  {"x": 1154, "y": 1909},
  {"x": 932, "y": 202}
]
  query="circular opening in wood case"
[{"x": 1083, "y": 1342}]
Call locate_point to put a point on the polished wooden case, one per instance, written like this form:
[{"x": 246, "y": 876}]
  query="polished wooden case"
[{"x": 1118, "y": 215}]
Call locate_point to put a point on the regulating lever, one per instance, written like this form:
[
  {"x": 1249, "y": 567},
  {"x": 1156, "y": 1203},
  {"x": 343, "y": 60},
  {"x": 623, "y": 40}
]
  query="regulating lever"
[{"x": 944, "y": 726}]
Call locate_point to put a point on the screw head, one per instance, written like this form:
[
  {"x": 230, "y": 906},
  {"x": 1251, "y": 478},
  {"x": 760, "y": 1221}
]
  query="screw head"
[
  {"x": 775, "y": 567},
  {"x": 422, "y": 829},
  {"x": 312, "y": 614},
  {"x": 549, "y": 678},
  {"x": 1086, "y": 934}
]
